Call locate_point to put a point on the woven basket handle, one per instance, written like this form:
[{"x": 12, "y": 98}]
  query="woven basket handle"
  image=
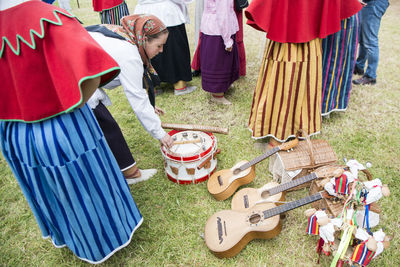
[
  {"x": 302, "y": 133},
  {"x": 368, "y": 174}
]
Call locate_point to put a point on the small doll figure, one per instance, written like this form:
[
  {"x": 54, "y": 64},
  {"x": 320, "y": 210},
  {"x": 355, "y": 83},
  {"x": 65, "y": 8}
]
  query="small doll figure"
[
  {"x": 370, "y": 247},
  {"x": 375, "y": 191},
  {"x": 320, "y": 224}
]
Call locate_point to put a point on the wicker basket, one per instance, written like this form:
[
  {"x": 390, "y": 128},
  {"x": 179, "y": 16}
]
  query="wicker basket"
[
  {"x": 335, "y": 206},
  {"x": 302, "y": 160}
]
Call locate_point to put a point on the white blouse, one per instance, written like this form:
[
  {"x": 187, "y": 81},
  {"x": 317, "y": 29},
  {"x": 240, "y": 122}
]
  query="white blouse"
[
  {"x": 131, "y": 79},
  {"x": 170, "y": 12}
]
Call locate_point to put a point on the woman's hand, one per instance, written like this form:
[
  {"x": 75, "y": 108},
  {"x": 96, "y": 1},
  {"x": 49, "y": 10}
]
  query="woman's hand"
[
  {"x": 166, "y": 141},
  {"x": 229, "y": 49},
  {"x": 159, "y": 111}
]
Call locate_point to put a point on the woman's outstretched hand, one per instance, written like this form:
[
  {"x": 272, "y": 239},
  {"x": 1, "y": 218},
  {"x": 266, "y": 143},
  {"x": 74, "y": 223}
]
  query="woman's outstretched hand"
[{"x": 166, "y": 141}]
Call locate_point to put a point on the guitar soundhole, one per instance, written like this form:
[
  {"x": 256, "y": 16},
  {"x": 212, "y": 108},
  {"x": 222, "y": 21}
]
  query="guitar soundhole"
[
  {"x": 265, "y": 194},
  {"x": 255, "y": 218},
  {"x": 220, "y": 180}
]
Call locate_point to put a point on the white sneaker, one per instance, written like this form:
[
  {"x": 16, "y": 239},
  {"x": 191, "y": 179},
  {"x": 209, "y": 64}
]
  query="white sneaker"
[
  {"x": 185, "y": 91},
  {"x": 145, "y": 175}
]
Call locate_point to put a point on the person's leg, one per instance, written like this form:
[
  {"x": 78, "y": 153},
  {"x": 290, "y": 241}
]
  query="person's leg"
[
  {"x": 371, "y": 30},
  {"x": 181, "y": 88},
  {"x": 119, "y": 147},
  {"x": 362, "y": 52},
  {"x": 220, "y": 98}
]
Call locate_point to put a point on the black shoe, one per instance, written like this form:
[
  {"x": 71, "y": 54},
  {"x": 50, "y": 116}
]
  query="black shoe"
[
  {"x": 364, "y": 80},
  {"x": 196, "y": 73},
  {"x": 358, "y": 71}
]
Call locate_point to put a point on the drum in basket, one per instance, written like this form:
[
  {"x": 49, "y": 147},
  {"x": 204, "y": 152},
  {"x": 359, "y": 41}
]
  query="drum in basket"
[{"x": 192, "y": 158}]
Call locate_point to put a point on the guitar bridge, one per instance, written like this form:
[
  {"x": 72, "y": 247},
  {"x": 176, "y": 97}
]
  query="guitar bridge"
[
  {"x": 246, "y": 201},
  {"x": 219, "y": 227}
]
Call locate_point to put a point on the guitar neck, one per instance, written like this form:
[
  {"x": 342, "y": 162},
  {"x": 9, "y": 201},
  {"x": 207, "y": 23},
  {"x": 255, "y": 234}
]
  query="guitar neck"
[
  {"x": 259, "y": 158},
  {"x": 291, "y": 205},
  {"x": 291, "y": 184}
]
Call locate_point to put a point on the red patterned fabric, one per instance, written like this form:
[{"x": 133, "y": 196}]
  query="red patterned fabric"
[
  {"x": 299, "y": 21},
  {"x": 312, "y": 226},
  {"x": 42, "y": 68},
  {"x": 362, "y": 255},
  {"x": 100, "y": 5},
  {"x": 342, "y": 185}
]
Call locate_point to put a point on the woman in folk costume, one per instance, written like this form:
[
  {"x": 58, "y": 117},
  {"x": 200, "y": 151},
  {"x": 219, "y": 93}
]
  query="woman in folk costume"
[
  {"x": 239, "y": 41},
  {"x": 111, "y": 11},
  {"x": 339, "y": 52},
  {"x": 173, "y": 65},
  {"x": 218, "y": 49},
  {"x": 49, "y": 136},
  {"x": 287, "y": 96},
  {"x": 132, "y": 45}
]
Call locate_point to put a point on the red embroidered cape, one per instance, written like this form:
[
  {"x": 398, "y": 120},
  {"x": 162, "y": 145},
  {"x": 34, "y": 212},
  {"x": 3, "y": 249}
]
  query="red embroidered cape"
[
  {"x": 100, "y": 5},
  {"x": 44, "y": 56},
  {"x": 299, "y": 21}
]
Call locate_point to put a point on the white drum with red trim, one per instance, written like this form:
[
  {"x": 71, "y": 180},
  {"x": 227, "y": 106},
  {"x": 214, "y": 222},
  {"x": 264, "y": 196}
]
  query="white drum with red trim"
[{"x": 192, "y": 158}]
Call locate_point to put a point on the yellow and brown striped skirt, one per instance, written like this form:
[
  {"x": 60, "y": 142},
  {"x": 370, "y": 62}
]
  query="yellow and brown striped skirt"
[{"x": 287, "y": 96}]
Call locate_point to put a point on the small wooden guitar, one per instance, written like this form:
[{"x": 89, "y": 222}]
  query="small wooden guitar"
[
  {"x": 224, "y": 183},
  {"x": 227, "y": 232},
  {"x": 273, "y": 192}
]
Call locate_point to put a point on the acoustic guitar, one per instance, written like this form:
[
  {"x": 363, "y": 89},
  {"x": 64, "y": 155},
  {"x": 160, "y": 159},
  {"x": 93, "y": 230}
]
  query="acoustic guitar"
[
  {"x": 224, "y": 183},
  {"x": 227, "y": 232},
  {"x": 274, "y": 192}
]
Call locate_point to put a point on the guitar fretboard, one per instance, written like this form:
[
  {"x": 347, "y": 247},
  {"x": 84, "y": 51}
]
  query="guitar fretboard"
[
  {"x": 291, "y": 184},
  {"x": 259, "y": 158},
  {"x": 291, "y": 205}
]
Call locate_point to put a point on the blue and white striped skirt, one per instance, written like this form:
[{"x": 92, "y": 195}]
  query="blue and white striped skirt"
[{"x": 72, "y": 183}]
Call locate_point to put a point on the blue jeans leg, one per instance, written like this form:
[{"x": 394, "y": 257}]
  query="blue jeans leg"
[{"x": 371, "y": 16}]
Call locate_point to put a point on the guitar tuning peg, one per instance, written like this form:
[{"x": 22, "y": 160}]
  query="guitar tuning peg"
[{"x": 368, "y": 165}]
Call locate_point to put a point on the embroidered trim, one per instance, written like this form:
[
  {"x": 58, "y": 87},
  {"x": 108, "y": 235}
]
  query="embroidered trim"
[{"x": 32, "y": 45}]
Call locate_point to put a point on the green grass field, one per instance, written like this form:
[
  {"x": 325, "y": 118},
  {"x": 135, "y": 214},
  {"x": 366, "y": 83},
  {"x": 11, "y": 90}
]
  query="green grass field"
[{"x": 175, "y": 215}]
